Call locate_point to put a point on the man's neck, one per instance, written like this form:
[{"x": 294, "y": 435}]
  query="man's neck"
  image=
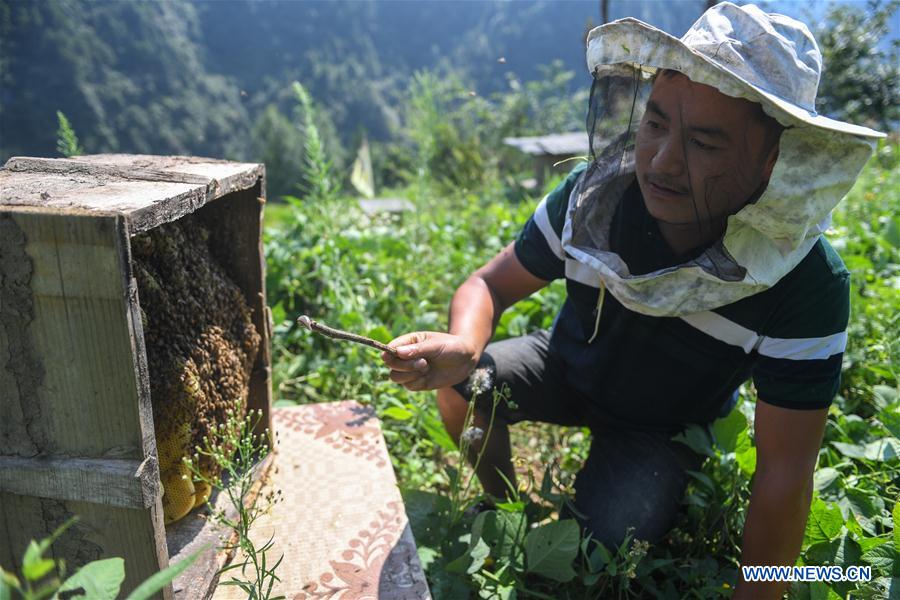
[{"x": 684, "y": 238}]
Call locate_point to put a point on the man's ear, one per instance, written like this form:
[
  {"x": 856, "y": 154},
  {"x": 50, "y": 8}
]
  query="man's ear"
[{"x": 772, "y": 131}]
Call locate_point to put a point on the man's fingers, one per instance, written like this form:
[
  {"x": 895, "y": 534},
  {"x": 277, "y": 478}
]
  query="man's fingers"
[
  {"x": 405, "y": 377},
  {"x": 398, "y": 364},
  {"x": 421, "y": 344},
  {"x": 408, "y": 338},
  {"x": 418, "y": 384}
]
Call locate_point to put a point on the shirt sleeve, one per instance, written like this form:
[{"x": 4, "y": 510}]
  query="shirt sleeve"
[
  {"x": 538, "y": 246},
  {"x": 799, "y": 364}
]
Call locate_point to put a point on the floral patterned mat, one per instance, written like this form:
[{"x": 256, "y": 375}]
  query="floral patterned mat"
[{"x": 341, "y": 525}]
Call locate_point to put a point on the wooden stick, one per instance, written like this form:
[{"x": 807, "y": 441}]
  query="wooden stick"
[{"x": 343, "y": 335}]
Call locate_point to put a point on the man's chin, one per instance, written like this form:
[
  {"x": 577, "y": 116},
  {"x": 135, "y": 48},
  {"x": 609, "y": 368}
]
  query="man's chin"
[{"x": 668, "y": 212}]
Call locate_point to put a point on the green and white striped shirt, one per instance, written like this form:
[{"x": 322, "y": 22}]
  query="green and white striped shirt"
[{"x": 659, "y": 373}]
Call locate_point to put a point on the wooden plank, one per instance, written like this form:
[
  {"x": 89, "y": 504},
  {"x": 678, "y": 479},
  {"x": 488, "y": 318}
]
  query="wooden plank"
[
  {"x": 100, "y": 532},
  {"x": 24, "y": 518},
  {"x": 127, "y": 532},
  {"x": 77, "y": 393},
  {"x": 74, "y": 167},
  {"x": 148, "y": 190},
  {"x": 225, "y": 176},
  {"x": 20, "y": 371},
  {"x": 91, "y": 193},
  {"x": 76, "y": 387},
  {"x": 558, "y": 144},
  {"x": 374, "y": 206},
  {"x": 112, "y": 482}
]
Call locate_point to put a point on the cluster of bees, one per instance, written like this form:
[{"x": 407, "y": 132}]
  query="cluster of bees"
[{"x": 201, "y": 345}]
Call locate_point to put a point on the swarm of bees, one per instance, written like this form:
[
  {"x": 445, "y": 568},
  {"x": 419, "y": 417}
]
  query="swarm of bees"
[{"x": 201, "y": 346}]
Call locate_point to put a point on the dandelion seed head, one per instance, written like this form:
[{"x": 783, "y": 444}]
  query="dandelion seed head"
[
  {"x": 472, "y": 434},
  {"x": 481, "y": 380}
]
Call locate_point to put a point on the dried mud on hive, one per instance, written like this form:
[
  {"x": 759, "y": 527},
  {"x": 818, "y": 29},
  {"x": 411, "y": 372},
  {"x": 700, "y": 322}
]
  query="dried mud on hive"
[{"x": 201, "y": 346}]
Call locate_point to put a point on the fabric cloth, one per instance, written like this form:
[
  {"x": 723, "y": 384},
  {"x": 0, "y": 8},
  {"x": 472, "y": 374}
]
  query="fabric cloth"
[
  {"x": 630, "y": 478},
  {"x": 744, "y": 53},
  {"x": 659, "y": 373}
]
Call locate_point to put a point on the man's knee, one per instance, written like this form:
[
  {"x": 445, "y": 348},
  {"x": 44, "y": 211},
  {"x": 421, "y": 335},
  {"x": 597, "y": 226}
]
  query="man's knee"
[
  {"x": 611, "y": 527},
  {"x": 637, "y": 487},
  {"x": 452, "y": 407}
]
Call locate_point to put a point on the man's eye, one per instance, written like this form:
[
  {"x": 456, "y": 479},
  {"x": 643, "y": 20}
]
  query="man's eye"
[
  {"x": 701, "y": 145},
  {"x": 652, "y": 124}
]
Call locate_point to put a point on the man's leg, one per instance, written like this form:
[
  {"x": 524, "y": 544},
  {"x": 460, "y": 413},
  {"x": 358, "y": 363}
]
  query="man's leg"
[
  {"x": 632, "y": 478},
  {"x": 536, "y": 388},
  {"x": 497, "y": 454}
]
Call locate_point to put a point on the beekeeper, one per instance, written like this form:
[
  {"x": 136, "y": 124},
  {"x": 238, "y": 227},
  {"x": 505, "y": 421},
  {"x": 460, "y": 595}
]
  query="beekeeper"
[{"x": 691, "y": 244}]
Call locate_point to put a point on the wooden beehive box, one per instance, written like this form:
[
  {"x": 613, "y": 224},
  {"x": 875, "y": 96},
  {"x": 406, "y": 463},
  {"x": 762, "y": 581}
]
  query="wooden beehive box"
[{"x": 76, "y": 421}]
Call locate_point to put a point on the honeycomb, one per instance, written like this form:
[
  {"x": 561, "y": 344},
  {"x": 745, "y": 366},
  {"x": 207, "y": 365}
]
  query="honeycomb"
[{"x": 201, "y": 346}]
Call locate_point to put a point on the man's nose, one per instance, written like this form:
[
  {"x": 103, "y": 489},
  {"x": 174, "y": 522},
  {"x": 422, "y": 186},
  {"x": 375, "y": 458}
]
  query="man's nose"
[{"x": 669, "y": 157}]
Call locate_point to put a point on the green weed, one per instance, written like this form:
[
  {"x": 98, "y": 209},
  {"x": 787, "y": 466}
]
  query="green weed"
[{"x": 236, "y": 451}]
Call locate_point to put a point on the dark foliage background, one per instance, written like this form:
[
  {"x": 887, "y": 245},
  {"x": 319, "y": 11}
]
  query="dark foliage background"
[{"x": 213, "y": 78}]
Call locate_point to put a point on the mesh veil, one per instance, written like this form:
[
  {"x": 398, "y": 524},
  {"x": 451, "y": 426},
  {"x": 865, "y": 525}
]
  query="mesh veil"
[
  {"x": 762, "y": 239},
  {"x": 617, "y": 103}
]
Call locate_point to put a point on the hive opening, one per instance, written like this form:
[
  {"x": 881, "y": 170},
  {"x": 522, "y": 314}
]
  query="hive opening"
[{"x": 201, "y": 346}]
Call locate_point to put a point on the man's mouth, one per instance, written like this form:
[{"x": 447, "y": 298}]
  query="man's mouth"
[{"x": 662, "y": 190}]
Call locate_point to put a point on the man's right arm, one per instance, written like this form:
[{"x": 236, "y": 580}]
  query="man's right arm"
[
  {"x": 430, "y": 360},
  {"x": 482, "y": 298}
]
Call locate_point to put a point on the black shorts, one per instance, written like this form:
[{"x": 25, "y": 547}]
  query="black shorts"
[{"x": 631, "y": 478}]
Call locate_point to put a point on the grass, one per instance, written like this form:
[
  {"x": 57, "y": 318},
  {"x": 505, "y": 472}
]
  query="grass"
[{"x": 394, "y": 274}]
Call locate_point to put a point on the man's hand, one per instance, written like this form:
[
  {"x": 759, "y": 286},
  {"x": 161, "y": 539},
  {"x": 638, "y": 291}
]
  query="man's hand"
[{"x": 428, "y": 360}]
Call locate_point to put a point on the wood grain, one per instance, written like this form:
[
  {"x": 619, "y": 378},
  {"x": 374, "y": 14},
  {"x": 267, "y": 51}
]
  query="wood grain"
[
  {"x": 76, "y": 419},
  {"x": 107, "y": 481}
]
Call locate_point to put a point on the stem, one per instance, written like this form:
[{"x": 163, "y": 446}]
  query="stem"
[
  {"x": 340, "y": 334},
  {"x": 234, "y": 448},
  {"x": 463, "y": 451},
  {"x": 487, "y": 435}
]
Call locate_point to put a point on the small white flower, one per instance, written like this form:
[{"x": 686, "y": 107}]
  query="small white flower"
[
  {"x": 472, "y": 434},
  {"x": 481, "y": 380}
]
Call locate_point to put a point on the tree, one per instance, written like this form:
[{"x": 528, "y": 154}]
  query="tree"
[
  {"x": 278, "y": 142},
  {"x": 860, "y": 80}
]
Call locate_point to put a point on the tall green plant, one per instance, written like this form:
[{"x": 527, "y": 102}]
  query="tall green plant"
[
  {"x": 447, "y": 132},
  {"x": 424, "y": 117},
  {"x": 66, "y": 140},
  {"x": 317, "y": 168},
  {"x": 459, "y": 134},
  {"x": 278, "y": 143},
  {"x": 236, "y": 450}
]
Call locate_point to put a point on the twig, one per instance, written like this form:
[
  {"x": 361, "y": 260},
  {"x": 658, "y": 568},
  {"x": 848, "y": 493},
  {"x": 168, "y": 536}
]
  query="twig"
[{"x": 343, "y": 335}]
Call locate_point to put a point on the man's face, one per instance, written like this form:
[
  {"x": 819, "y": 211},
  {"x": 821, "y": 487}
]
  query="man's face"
[{"x": 700, "y": 155}]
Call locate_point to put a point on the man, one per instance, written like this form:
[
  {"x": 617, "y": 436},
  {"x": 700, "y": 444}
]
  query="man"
[{"x": 701, "y": 211}]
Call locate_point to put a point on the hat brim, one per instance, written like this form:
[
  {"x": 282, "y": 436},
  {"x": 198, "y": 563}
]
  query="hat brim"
[{"x": 634, "y": 42}]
